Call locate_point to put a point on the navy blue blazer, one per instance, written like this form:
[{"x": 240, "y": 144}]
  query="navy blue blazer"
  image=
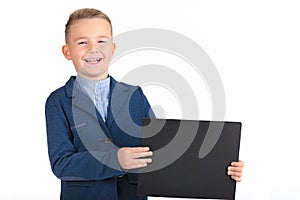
[{"x": 83, "y": 148}]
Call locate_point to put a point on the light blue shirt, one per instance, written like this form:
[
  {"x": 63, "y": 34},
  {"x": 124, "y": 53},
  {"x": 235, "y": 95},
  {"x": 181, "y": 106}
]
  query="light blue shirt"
[{"x": 98, "y": 91}]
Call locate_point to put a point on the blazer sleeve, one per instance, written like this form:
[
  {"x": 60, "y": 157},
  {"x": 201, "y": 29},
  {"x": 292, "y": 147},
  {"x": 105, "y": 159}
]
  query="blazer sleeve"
[{"x": 67, "y": 163}]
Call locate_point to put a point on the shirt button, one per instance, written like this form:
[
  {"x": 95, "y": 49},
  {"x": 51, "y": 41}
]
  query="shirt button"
[
  {"x": 99, "y": 99},
  {"x": 107, "y": 140}
]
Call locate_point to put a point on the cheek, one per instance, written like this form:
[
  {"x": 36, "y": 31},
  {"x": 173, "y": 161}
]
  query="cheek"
[
  {"x": 108, "y": 53},
  {"x": 78, "y": 53},
  {"x": 77, "y": 56},
  {"x": 77, "y": 60}
]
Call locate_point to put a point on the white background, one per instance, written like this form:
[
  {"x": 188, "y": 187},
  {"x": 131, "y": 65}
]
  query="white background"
[{"x": 255, "y": 46}]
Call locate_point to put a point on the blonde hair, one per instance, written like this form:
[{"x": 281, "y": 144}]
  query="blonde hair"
[{"x": 84, "y": 13}]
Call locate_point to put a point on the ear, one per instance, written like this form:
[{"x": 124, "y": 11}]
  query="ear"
[
  {"x": 113, "y": 48},
  {"x": 66, "y": 52}
]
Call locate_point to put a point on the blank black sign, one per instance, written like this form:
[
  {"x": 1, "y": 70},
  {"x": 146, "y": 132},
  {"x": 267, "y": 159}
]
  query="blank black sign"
[{"x": 191, "y": 175}]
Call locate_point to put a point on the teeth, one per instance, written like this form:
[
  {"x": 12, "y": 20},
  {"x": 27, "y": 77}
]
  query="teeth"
[{"x": 92, "y": 59}]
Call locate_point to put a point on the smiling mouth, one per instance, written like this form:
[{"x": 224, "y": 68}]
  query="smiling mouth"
[{"x": 93, "y": 60}]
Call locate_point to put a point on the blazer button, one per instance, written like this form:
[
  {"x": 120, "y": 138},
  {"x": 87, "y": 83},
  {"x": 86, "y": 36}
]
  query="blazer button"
[{"x": 107, "y": 140}]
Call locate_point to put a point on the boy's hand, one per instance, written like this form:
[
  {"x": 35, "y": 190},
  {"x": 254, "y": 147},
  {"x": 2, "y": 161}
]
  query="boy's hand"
[
  {"x": 236, "y": 170},
  {"x": 134, "y": 157}
]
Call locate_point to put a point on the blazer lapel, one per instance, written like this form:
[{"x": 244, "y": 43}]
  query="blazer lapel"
[
  {"x": 81, "y": 101},
  {"x": 118, "y": 96}
]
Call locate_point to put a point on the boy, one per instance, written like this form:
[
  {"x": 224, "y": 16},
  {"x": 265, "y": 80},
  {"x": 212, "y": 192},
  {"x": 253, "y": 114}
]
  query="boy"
[{"x": 88, "y": 150}]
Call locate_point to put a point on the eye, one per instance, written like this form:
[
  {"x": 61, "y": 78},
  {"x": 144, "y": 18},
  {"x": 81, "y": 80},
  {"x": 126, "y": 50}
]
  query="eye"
[
  {"x": 102, "y": 41},
  {"x": 82, "y": 43}
]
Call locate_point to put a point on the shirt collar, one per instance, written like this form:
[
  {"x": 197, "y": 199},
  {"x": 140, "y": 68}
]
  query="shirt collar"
[{"x": 93, "y": 84}]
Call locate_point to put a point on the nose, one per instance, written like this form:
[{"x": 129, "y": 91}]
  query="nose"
[{"x": 93, "y": 49}]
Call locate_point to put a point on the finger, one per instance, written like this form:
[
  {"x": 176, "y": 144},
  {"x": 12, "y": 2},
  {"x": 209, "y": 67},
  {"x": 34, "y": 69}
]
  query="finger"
[
  {"x": 143, "y": 154},
  {"x": 139, "y": 166},
  {"x": 139, "y": 149},
  {"x": 237, "y": 179},
  {"x": 132, "y": 163},
  {"x": 237, "y": 174},
  {"x": 240, "y": 163},
  {"x": 138, "y": 163},
  {"x": 141, "y": 161},
  {"x": 235, "y": 169}
]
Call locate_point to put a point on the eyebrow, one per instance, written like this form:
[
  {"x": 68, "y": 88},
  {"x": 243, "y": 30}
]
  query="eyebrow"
[{"x": 83, "y": 37}]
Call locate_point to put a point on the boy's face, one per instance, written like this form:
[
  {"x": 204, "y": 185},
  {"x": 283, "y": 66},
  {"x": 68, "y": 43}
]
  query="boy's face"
[{"x": 90, "y": 48}]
